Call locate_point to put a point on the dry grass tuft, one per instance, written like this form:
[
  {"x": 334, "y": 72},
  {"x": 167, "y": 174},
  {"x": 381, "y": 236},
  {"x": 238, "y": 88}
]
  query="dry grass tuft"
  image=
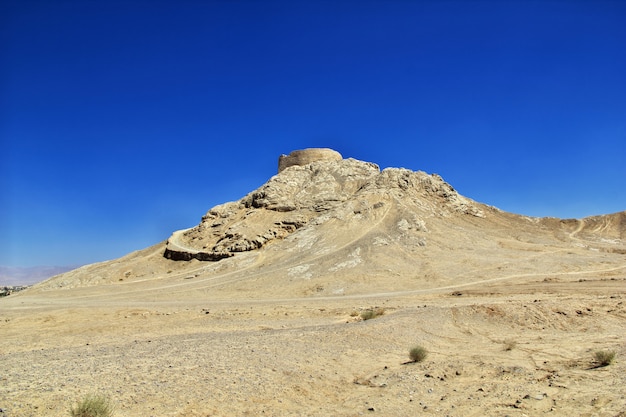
[
  {"x": 605, "y": 358},
  {"x": 372, "y": 313},
  {"x": 93, "y": 405}
]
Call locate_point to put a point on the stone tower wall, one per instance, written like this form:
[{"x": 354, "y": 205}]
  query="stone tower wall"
[{"x": 306, "y": 156}]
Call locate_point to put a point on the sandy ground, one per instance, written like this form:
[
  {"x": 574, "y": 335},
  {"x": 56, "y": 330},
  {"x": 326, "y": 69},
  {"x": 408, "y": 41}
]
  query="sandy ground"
[{"x": 519, "y": 347}]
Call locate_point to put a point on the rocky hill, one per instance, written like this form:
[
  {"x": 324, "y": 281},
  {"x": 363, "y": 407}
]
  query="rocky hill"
[
  {"x": 324, "y": 225},
  {"x": 311, "y": 194}
]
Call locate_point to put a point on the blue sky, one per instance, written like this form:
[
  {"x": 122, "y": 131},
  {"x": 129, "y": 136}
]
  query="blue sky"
[{"x": 122, "y": 121}]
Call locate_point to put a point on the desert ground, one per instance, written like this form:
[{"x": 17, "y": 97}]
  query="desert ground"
[
  {"x": 522, "y": 346},
  {"x": 511, "y": 310}
]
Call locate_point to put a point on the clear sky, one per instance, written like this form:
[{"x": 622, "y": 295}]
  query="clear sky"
[{"x": 122, "y": 121}]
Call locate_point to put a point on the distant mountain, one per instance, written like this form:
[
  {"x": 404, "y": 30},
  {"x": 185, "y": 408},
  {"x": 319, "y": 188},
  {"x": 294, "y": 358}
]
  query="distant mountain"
[{"x": 10, "y": 275}]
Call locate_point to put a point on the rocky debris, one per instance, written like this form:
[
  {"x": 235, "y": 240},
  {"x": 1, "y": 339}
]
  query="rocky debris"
[
  {"x": 312, "y": 185},
  {"x": 10, "y": 289}
]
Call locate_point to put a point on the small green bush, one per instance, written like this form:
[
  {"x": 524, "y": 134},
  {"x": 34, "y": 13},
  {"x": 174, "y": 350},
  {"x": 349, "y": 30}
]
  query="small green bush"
[
  {"x": 605, "y": 358},
  {"x": 93, "y": 405},
  {"x": 372, "y": 313},
  {"x": 418, "y": 353}
]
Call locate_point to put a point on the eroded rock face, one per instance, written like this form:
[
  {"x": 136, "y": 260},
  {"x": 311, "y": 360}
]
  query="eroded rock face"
[
  {"x": 317, "y": 186},
  {"x": 309, "y": 192}
]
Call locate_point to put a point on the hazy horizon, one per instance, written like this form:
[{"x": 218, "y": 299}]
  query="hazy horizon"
[{"x": 16, "y": 275}]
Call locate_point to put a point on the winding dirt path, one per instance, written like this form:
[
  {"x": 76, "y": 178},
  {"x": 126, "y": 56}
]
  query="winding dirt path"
[
  {"x": 581, "y": 224},
  {"x": 173, "y": 243}
]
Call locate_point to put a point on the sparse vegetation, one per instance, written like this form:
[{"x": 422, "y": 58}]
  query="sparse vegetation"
[
  {"x": 372, "y": 313},
  {"x": 418, "y": 353},
  {"x": 509, "y": 344},
  {"x": 605, "y": 358},
  {"x": 93, "y": 405}
]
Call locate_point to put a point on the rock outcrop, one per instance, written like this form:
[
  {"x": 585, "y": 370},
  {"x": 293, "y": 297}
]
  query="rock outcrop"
[{"x": 317, "y": 184}]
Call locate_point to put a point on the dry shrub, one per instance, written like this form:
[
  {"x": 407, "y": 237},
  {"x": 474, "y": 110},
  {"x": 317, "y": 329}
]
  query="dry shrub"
[
  {"x": 605, "y": 358},
  {"x": 418, "y": 353},
  {"x": 93, "y": 405},
  {"x": 372, "y": 313}
]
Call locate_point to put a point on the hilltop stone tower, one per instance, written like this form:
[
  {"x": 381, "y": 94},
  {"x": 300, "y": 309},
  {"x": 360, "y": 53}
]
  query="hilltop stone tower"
[{"x": 306, "y": 156}]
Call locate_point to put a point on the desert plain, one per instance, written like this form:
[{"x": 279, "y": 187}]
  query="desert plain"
[{"x": 511, "y": 310}]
